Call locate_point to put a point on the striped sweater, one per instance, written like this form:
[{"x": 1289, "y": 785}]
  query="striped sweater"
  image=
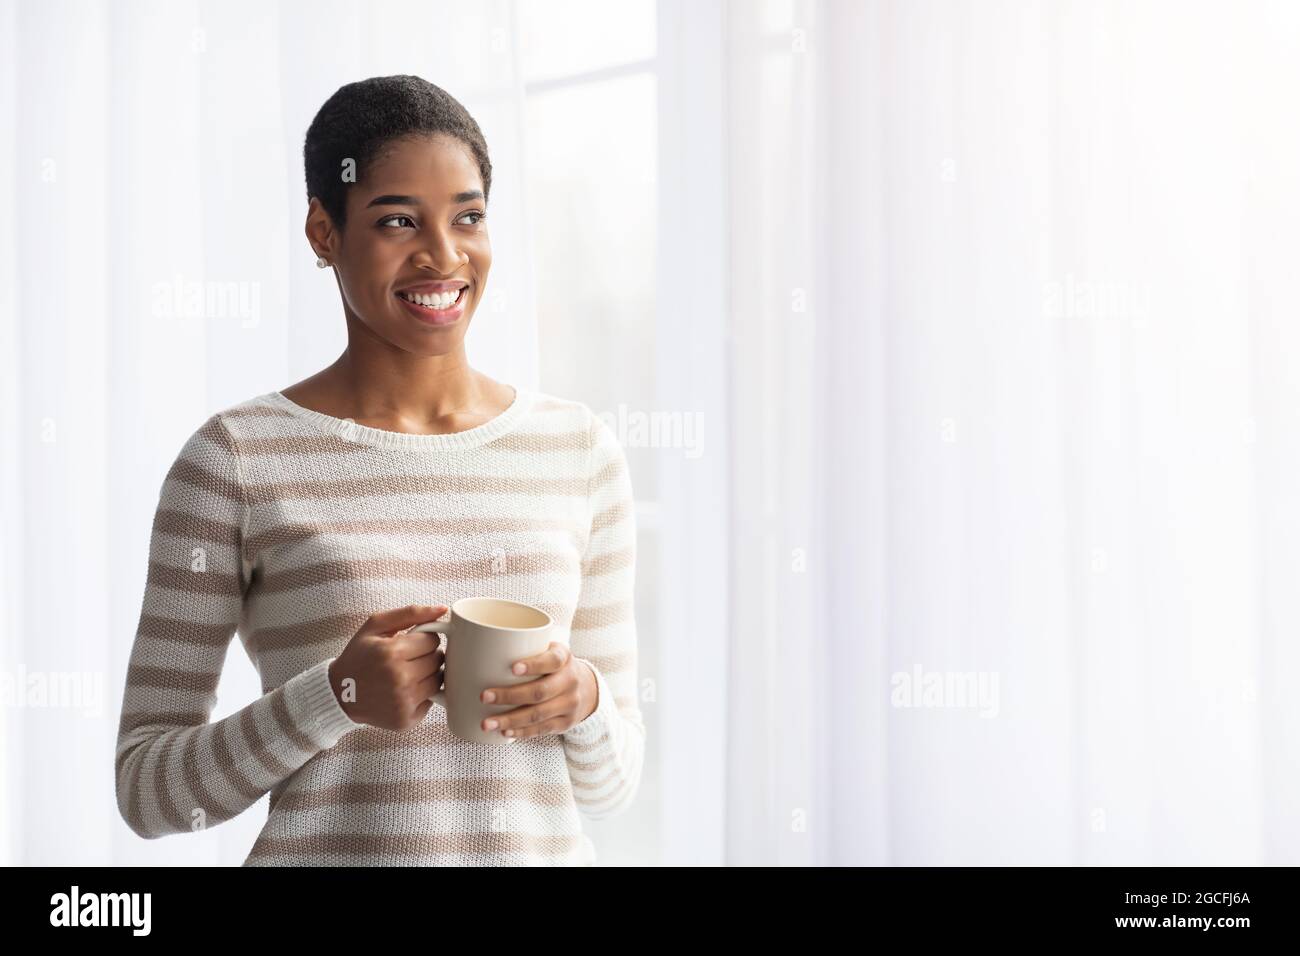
[{"x": 291, "y": 527}]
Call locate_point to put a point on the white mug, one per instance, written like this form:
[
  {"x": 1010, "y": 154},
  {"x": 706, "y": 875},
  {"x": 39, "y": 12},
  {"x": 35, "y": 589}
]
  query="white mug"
[{"x": 485, "y": 637}]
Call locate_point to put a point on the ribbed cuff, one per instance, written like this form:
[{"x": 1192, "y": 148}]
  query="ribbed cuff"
[
  {"x": 323, "y": 714},
  {"x": 598, "y": 720}
]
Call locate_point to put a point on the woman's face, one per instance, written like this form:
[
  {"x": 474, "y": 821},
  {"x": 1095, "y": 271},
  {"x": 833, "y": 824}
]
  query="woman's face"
[{"x": 416, "y": 230}]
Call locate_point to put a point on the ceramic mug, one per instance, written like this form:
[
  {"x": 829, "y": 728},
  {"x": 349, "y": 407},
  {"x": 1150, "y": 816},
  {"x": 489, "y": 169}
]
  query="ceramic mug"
[{"x": 485, "y": 637}]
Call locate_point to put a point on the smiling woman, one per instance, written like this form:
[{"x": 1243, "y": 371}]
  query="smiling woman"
[
  {"x": 406, "y": 166},
  {"x": 323, "y": 522}
]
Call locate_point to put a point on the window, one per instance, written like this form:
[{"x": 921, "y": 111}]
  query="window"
[{"x": 590, "y": 83}]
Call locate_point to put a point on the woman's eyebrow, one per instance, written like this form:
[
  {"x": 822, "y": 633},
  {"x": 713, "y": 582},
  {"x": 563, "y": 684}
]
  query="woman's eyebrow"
[
  {"x": 414, "y": 200},
  {"x": 393, "y": 201}
]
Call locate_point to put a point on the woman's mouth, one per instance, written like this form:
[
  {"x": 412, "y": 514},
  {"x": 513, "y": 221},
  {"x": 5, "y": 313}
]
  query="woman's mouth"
[{"x": 435, "y": 308}]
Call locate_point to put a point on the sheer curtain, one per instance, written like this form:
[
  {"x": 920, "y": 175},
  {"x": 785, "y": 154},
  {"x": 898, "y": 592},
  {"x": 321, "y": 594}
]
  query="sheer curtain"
[
  {"x": 972, "y": 537},
  {"x": 1013, "y": 394},
  {"x": 152, "y": 270}
]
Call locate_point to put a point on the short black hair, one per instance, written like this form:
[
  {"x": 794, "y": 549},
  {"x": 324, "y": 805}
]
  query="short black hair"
[{"x": 362, "y": 117}]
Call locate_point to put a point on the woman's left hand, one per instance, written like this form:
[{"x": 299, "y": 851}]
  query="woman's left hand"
[{"x": 561, "y": 694}]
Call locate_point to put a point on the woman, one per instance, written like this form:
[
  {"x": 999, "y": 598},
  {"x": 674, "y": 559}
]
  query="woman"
[{"x": 320, "y": 522}]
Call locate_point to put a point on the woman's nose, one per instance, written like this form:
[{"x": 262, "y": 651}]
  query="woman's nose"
[{"x": 444, "y": 252}]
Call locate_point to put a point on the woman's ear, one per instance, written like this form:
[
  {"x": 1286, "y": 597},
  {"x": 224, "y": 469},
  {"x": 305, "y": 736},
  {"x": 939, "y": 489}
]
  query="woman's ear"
[{"x": 320, "y": 231}]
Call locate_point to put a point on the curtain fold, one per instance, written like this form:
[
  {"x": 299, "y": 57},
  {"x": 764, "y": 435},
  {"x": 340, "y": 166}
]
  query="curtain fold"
[{"x": 1010, "y": 364}]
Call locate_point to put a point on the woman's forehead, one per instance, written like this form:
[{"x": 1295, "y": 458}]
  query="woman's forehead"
[{"x": 432, "y": 171}]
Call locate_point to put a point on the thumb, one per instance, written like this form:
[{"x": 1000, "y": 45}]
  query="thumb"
[{"x": 389, "y": 622}]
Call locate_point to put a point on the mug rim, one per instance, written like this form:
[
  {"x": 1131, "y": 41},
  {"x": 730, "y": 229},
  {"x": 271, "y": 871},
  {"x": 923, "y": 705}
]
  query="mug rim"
[{"x": 455, "y": 610}]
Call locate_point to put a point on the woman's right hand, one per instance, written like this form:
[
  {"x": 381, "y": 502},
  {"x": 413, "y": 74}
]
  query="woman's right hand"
[{"x": 394, "y": 674}]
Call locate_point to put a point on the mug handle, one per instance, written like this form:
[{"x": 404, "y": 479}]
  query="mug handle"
[{"x": 436, "y": 627}]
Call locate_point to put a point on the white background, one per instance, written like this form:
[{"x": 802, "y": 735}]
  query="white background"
[{"x": 984, "y": 312}]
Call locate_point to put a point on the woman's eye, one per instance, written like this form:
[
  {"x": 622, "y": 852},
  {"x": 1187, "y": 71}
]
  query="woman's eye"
[
  {"x": 392, "y": 219},
  {"x": 479, "y": 217}
]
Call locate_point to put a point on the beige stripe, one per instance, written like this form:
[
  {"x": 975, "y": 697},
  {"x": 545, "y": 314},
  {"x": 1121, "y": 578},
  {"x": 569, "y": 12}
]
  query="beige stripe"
[
  {"x": 582, "y": 747},
  {"x": 609, "y": 476},
  {"x": 285, "y": 445},
  {"x": 594, "y": 785},
  {"x": 211, "y": 582},
  {"x": 188, "y": 472},
  {"x": 377, "y": 740},
  {"x": 184, "y": 524},
  {"x": 607, "y": 563},
  {"x": 592, "y": 618},
  {"x": 215, "y": 636},
  {"x": 414, "y": 844},
  {"x": 348, "y": 489},
  {"x": 430, "y": 572},
  {"x": 587, "y": 766},
  {"x": 428, "y": 791},
  {"x": 324, "y": 632},
  {"x": 327, "y": 444},
  {"x": 298, "y": 532},
  {"x": 169, "y": 678},
  {"x": 612, "y": 515},
  {"x": 215, "y": 432},
  {"x": 166, "y": 720},
  {"x": 538, "y": 443},
  {"x": 337, "y": 629}
]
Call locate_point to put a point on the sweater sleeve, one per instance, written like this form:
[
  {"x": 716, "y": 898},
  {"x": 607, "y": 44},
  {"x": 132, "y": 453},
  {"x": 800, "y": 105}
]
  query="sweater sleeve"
[
  {"x": 605, "y": 752},
  {"x": 175, "y": 771}
]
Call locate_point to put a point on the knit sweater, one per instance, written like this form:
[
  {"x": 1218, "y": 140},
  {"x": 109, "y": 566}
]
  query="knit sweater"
[{"x": 291, "y": 527}]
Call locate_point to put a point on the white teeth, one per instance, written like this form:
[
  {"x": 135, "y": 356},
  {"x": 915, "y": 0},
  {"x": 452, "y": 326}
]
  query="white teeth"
[{"x": 441, "y": 300}]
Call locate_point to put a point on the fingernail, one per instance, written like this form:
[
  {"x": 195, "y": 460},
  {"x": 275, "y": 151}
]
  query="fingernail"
[
  {"x": 520, "y": 668},
  {"x": 488, "y": 696},
  {"x": 491, "y": 724}
]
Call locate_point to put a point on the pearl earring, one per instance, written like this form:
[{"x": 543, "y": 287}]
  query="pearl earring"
[{"x": 320, "y": 262}]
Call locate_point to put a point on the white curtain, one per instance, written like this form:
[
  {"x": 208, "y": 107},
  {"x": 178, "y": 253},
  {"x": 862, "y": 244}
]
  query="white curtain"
[
  {"x": 1013, "y": 400},
  {"x": 152, "y": 270},
  {"x": 984, "y": 310}
]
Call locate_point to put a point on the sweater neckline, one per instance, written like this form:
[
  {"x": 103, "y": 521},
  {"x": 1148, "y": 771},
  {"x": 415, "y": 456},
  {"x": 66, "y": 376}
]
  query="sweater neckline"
[{"x": 349, "y": 430}]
